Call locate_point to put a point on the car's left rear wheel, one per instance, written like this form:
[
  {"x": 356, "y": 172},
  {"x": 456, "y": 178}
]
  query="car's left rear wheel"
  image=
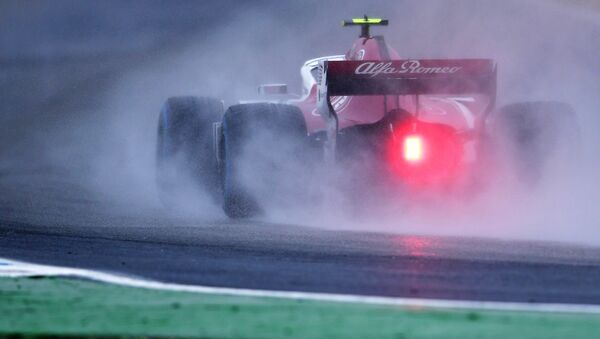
[{"x": 264, "y": 146}]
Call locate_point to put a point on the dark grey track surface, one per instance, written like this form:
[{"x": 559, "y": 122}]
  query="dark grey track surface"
[
  {"x": 54, "y": 121},
  {"x": 287, "y": 258},
  {"x": 260, "y": 255}
]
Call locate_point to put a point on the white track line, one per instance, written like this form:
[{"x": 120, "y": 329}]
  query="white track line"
[{"x": 12, "y": 268}]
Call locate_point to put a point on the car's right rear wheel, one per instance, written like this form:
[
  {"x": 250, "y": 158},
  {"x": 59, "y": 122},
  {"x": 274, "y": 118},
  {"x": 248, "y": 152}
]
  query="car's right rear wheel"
[{"x": 533, "y": 134}]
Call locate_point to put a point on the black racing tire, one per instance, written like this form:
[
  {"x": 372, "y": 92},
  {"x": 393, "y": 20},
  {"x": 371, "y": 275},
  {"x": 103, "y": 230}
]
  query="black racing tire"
[
  {"x": 185, "y": 147},
  {"x": 534, "y": 133},
  {"x": 258, "y": 140}
]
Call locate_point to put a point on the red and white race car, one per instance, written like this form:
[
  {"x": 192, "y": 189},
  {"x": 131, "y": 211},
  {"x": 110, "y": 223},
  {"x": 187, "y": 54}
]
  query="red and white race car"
[{"x": 403, "y": 123}]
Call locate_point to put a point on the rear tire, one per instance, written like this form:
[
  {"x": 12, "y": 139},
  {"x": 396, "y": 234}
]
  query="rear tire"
[
  {"x": 535, "y": 133},
  {"x": 185, "y": 150},
  {"x": 260, "y": 142}
]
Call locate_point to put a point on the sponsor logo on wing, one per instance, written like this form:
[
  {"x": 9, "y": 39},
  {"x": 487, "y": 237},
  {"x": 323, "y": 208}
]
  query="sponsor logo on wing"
[{"x": 407, "y": 67}]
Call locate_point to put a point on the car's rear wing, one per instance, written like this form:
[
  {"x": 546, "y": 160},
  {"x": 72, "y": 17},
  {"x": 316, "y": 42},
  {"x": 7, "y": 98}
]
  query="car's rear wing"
[{"x": 405, "y": 77}]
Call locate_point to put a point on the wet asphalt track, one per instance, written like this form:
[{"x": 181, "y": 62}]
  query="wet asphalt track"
[
  {"x": 57, "y": 222},
  {"x": 49, "y": 216}
]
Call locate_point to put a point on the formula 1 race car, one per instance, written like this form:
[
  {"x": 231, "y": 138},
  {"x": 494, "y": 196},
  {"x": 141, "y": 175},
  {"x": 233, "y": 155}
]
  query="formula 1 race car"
[{"x": 402, "y": 124}]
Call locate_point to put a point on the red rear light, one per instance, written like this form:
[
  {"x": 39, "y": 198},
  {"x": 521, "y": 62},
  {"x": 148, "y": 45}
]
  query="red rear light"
[
  {"x": 425, "y": 152},
  {"x": 413, "y": 148}
]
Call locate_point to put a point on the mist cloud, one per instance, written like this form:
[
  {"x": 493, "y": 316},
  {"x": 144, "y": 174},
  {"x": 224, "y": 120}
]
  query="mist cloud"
[{"x": 544, "y": 50}]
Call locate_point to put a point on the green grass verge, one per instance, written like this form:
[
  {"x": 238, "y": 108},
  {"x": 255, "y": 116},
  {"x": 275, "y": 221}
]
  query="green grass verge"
[{"x": 60, "y": 306}]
